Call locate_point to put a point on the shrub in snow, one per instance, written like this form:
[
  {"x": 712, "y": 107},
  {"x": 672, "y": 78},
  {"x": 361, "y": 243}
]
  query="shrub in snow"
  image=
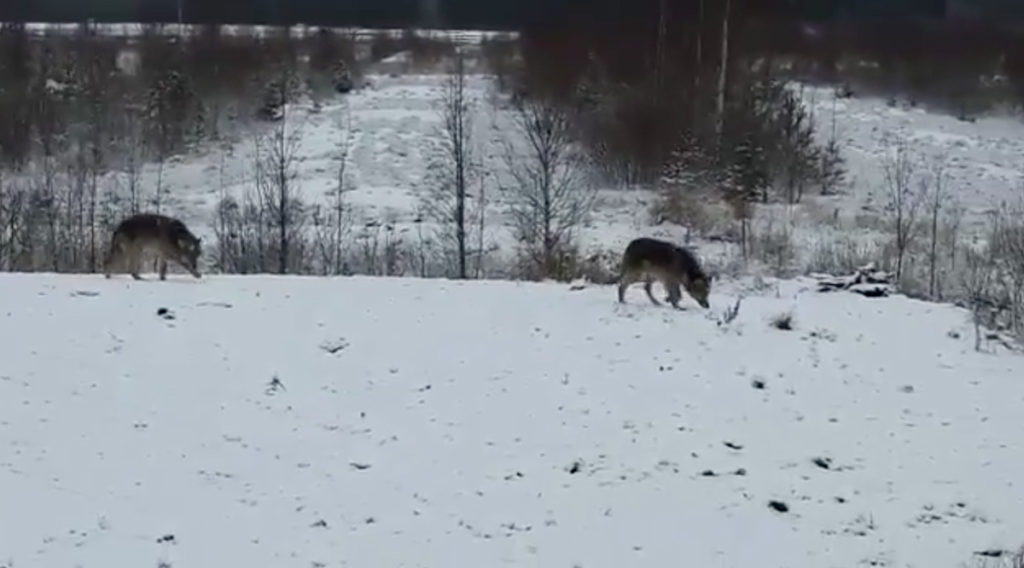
[
  {"x": 342, "y": 78},
  {"x": 730, "y": 314},
  {"x": 782, "y": 321}
]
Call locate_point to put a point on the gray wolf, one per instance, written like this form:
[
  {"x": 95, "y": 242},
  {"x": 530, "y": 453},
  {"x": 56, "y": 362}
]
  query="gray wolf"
[
  {"x": 169, "y": 238},
  {"x": 646, "y": 260}
]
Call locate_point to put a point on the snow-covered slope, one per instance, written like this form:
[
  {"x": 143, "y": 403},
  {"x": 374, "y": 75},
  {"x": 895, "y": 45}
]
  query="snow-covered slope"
[
  {"x": 435, "y": 423},
  {"x": 390, "y": 125},
  {"x": 982, "y": 161}
]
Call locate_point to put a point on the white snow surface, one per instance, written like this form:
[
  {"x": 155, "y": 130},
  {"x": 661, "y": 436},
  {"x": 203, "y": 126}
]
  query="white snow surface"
[{"x": 444, "y": 427}]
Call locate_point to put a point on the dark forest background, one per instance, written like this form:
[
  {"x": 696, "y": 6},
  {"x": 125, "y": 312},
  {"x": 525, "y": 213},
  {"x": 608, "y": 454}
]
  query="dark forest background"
[{"x": 494, "y": 14}]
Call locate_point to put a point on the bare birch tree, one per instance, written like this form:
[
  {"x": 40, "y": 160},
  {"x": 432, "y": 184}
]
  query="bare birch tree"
[
  {"x": 976, "y": 282},
  {"x": 333, "y": 223},
  {"x": 454, "y": 169},
  {"x": 936, "y": 199},
  {"x": 550, "y": 196},
  {"x": 277, "y": 187},
  {"x": 903, "y": 201}
]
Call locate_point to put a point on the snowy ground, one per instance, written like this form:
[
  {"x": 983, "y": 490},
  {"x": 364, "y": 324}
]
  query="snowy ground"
[{"x": 434, "y": 423}]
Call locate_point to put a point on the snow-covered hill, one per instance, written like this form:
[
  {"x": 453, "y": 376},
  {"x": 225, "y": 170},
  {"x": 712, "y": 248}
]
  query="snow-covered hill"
[
  {"x": 297, "y": 422},
  {"x": 983, "y": 161},
  {"x": 389, "y": 126}
]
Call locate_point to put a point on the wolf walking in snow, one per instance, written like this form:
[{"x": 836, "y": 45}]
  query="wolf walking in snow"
[
  {"x": 647, "y": 260},
  {"x": 169, "y": 238}
]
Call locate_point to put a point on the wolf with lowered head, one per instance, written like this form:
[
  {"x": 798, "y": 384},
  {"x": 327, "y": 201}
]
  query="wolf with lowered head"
[
  {"x": 164, "y": 236},
  {"x": 646, "y": 260}
]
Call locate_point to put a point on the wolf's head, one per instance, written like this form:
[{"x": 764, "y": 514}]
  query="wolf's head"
[
  {"x": 699, "y": 288},
  {"x": 188, "y": 248},
  {"x": 695, "y": 280}
]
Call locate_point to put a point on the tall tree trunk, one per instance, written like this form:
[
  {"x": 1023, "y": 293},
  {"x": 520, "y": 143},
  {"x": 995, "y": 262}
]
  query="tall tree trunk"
[
  {"x": 460, "y": 164},
  {"x": 722, "y": 75},
  {"x": 660, "y": 71},
  {"x": 700, "y": 47},
  {"x": 282, "y": 203}
]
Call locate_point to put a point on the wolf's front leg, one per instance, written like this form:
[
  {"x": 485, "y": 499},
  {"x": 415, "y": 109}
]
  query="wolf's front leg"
[{"x": 674, "y": 293}]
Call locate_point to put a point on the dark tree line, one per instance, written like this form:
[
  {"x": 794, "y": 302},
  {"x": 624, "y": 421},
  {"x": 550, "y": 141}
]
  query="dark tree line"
[{"x": 496, "y": 14}]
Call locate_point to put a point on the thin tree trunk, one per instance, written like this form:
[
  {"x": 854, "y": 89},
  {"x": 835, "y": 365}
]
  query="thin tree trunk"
[
  {"x": 460, "y": 194},
  {"x": 660, "y": 71},
  {"x": 700, "y": 47},
  {"x": 3, "y": 227},
  {"x": 933, "y": 253},
  {"x": 92, "y": 220},
  {"x": 722, "y": 76},
  {"x": 282, "y": 204},
  {"x": 480, "y": 231}
]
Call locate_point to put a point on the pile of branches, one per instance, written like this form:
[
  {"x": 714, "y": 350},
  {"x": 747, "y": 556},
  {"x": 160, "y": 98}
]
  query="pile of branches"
[{"x": 867, "y": 281}]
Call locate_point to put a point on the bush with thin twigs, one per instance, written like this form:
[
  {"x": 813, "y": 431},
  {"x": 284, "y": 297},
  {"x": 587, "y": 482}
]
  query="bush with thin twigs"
[
  {"x": 691, "y": 189},
  {"x": 905, "y": 193},
  {"x": 699, "y": 212},
  {"x": 333, "y": 222},
  {"x": 771, "y": 245},
  {"x": 841, "y": 255},
  {"x": 549, "y": 197},
  {"x": 1006, "y": 258}
]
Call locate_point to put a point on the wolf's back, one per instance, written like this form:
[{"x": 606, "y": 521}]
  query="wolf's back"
[{"x": 647, "y": 252}]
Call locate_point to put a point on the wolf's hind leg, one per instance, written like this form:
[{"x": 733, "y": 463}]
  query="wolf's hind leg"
[{"x": 628, "y": 277}]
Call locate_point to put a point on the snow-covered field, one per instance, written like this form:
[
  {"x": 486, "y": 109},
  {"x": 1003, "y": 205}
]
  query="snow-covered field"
[
  {"x": 983, "y": 161},
  {"x": 434, "y": 423}
]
